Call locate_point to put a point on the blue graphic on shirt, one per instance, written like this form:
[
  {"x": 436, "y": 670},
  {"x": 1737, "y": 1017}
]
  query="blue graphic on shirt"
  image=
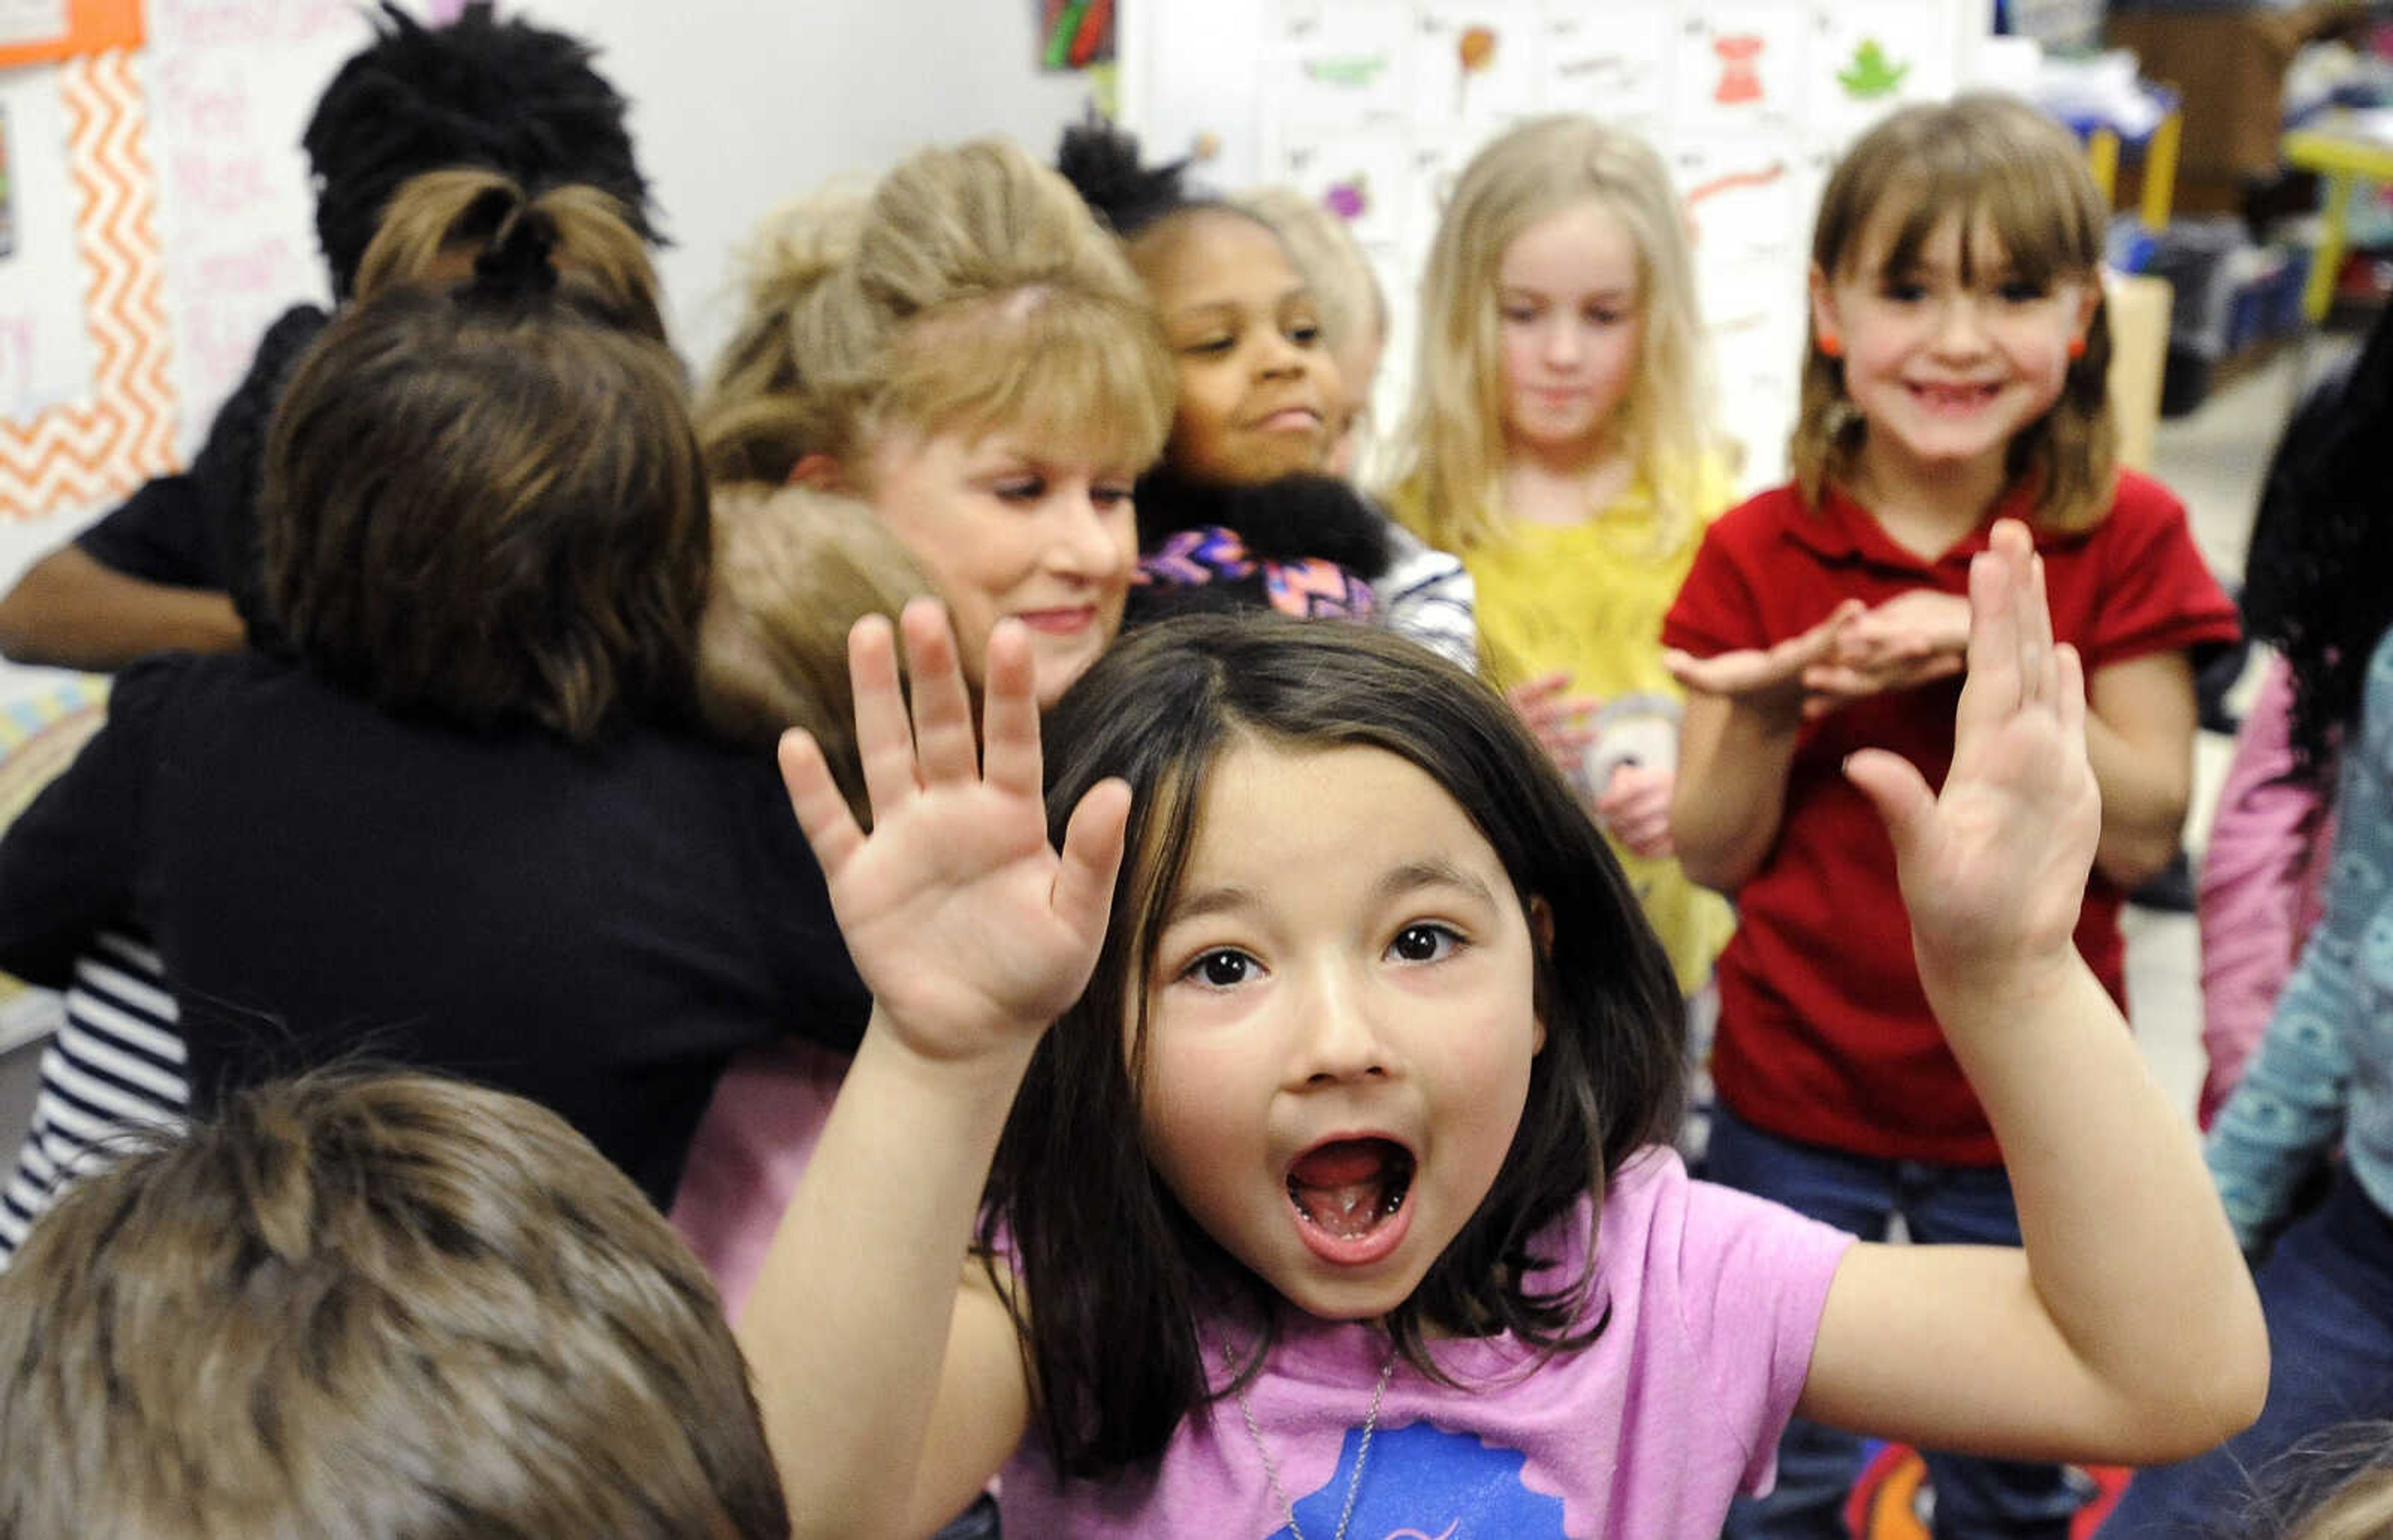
[{"x": 1419, "y": 1484}]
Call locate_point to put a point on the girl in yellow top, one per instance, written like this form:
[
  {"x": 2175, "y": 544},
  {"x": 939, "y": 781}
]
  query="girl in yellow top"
[{"x": 1558, "y": 444}]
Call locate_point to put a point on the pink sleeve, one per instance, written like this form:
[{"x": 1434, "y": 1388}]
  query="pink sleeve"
[
  {"x": 751, "y": 1145},
  {"x": 2256, "y": 899},
  {"x": 1752, "y": 1279}
]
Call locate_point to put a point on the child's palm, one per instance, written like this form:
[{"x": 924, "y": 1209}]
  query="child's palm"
[
  {"x": 967, "y": 926},
  {"x": 1994, "y": 869}
]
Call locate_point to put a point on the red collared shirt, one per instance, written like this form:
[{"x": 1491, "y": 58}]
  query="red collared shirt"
[{"x": 1824, "y": 1034}]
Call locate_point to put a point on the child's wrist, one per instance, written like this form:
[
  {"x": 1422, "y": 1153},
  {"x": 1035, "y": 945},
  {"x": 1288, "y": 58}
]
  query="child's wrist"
[{"x": 1999, "y": 986}]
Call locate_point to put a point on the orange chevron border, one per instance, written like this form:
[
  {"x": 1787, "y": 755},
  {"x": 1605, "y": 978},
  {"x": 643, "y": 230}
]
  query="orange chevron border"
[{"x": 85, "y": 452}]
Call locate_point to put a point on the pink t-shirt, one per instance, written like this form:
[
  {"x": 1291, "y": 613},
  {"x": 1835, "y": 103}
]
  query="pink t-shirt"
[{"x": 1646, "y": 1434}]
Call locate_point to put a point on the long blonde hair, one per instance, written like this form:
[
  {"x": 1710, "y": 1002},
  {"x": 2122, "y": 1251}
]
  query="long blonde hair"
[
  {"x": 1991, "y": 160},
  {"x": 970, "y": 288},
  {"x": 794, "y": 568},
  {"x": 1451, "y": 450}
]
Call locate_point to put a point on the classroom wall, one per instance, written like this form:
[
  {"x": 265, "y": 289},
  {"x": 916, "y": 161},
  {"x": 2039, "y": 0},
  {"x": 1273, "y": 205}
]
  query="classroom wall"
[{"x": 734, "y": 107}]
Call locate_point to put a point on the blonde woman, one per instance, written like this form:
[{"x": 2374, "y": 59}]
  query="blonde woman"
[{"x": 961, "y": 349}]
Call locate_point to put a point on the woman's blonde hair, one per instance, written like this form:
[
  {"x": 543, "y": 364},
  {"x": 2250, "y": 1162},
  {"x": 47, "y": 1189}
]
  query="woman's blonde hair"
[
  {"x": 1451, "y": 450},
  {"x": 438, "y": 225},
  {"x": 793, "y": 570},
  {"x": 1998, "y": 164},
  {"x": 971, "y": 290}
]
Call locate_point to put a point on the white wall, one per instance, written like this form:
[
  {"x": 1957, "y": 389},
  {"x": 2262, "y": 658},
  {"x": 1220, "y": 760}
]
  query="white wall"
[{"x": 738, "y": 106}]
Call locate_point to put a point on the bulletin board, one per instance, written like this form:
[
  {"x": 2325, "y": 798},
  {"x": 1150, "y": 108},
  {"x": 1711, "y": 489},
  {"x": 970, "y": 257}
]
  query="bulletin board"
[
  {"x": 1374, "y": 107},
  {"x": 153, "y": 211}
]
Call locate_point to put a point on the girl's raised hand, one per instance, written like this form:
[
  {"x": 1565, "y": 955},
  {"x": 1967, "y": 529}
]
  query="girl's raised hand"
[
  {"x": 1994, "y": 869},
  {"x": 970, "y": 930}
]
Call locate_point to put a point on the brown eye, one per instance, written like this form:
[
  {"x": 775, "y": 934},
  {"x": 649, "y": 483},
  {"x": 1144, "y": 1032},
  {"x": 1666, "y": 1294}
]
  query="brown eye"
[{"x": 1424, "y": 944}]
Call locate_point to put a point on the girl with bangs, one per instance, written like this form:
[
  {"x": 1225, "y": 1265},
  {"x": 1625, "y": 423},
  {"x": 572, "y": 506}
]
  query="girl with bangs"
[
  {"x": 1258, "y": 1133},
  {"x": 960, "y": 351},
  {"x": 1956, "y": 376}
]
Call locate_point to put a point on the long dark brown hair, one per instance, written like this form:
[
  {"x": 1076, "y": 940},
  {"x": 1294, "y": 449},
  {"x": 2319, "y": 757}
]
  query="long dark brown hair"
[{"x": 1116, "y": 1276}]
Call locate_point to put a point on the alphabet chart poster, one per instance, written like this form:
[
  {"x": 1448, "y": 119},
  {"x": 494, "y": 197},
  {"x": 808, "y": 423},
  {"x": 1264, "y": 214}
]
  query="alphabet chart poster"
[{"x": 1373, "y": 107}]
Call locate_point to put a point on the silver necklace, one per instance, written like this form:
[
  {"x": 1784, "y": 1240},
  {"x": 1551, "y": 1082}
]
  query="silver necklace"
[{"x": 1362, "y": 1451}]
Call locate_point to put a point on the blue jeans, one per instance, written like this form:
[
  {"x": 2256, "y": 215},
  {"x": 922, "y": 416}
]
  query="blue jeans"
[
  {"x": 2328, "y": 1296},
  {"x": 1817, "y": 1465}
]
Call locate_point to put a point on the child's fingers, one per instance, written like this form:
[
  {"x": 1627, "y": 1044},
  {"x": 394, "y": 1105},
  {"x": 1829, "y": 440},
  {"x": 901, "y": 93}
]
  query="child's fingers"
[
  {"x": 2047, "y": 668},
  {"x": 2071, "y": 693},
  {"x": 1540, "y": 688},
  {"x": 822, "y": 813},
  {"x": 885, "y": 739},
  {"x": 944, "y": 743},
  {"x": 1897, "y": 790},
  {"x": 1092, "y": 856},
  {"x": 1010, "y": 752},
  {"x": 1994, "y": 660}
]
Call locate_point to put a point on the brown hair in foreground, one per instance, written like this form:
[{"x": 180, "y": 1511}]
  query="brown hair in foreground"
[{"x": 381, "y": 1306}]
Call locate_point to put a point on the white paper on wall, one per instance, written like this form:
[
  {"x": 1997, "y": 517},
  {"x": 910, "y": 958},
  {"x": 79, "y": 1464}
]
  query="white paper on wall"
[
  {"x": 44, "y": 343},
  {"x": 1870, "y": 56},
  {"x": 1741, "y": 70},
  {"x": 1342, "y": 66},
  {"x": 1476, "y": 65},
  {"x": 1613, "y": 64},
  {"x": 232, "y": 84}
]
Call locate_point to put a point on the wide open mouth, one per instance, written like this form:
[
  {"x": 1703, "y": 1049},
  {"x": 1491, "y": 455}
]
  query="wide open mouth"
[{"x": 1348, "y": 1187}]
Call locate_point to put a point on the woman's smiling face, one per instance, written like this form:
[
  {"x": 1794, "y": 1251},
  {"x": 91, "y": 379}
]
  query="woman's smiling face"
[{"x": 999, "y": 528}]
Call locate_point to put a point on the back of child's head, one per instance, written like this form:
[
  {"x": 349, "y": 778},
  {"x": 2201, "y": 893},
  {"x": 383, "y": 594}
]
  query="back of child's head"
[
  {"x": 389, "y": 1307},
  {"x": 2010, "y": 175},
  {"x": 1161, "y": 710},
  {"x": 507, "y": 95},
  {"x": 971, "y": 291},
  {"x": 484, "y": 503},
  {"x": 438, "y": 225},
  {"x": 793, "y": 570},
  {"x": 1453, "y": 448},
  {"x": 1354, "y": 308},
  {"x": 2332, "y": 1484}
]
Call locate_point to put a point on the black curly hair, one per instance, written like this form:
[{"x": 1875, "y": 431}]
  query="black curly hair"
[
  {"x": 505, "y": 95},
  {"x": 1101, "y": 160},
  {"x": 2315, "y": 583}
]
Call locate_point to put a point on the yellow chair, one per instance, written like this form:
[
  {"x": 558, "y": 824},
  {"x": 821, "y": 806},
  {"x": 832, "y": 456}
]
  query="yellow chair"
[{"x": 2344, "y": 148}]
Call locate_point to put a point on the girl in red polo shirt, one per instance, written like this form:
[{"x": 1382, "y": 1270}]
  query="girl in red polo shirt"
[{"x": 1955, "y": 374}]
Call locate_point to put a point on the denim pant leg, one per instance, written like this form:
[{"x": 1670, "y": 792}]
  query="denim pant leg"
[
  {"x": 2328, "y": 1296},
  {"x": 1979, "y": 1498},
  {"x": 1817, "y": 1465}
]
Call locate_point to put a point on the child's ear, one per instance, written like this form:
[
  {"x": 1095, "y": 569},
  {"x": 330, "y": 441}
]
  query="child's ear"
[
  {"x": 820, "y": 472},
  {"x": 1824, "y": 305},
  {"x": 2087, "y": 303}
]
